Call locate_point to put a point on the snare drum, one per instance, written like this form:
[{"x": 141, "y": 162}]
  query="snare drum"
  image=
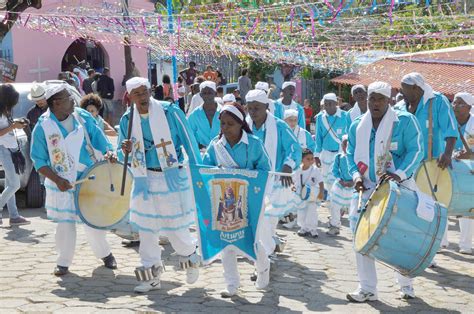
[
  {"x": 454, "y": 187},
  {"x": 391, "y": 232},
  {"x": 99, "y": 202}
]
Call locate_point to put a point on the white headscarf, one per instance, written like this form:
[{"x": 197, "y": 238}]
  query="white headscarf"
[
  {"x": 53, "y": 89},
  {"x": 228, "y": 98},
  {"x": 468, "y": 98},
  {"x": 330, "y": 96},
  {"x": 353, "y": 89},
  {"x": 380, "y": 88},
  {"x": 417, "y": 79},
  {"x": 256, "y": 95},
  {"x": 290, "y": 113},
  {"x": 262, "y": 86},
  {"x": 209, "y": 84},
  {"x": 136, "y": 82},
  {"x": 234, "y": 110},
  {"x": 286, "y": 84}
]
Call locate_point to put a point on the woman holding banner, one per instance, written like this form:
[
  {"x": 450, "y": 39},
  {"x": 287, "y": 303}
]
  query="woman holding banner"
[{"x": 235, "y": 147}]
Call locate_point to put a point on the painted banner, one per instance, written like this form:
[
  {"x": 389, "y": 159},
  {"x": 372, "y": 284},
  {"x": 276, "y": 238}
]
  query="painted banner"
[
  {"x": 7, "y": 71},
  {"x": 229, "y": 207}
]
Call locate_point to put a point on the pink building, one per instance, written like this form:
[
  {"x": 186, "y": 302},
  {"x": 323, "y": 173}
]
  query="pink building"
[{"x": 41, "y": 56}]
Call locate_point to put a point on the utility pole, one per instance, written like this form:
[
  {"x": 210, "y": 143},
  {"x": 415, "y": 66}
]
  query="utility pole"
[
  {"x": 127, "y": 49},
  {"x": 169, "y": 6}
]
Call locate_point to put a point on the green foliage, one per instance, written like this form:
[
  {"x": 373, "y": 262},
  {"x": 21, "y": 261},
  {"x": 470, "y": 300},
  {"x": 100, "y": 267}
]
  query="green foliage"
[{"x": 258, "y": 70}]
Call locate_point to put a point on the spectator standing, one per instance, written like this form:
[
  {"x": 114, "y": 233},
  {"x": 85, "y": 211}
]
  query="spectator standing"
[
  {"x": 210, "y": 74},
  {"x": 244, "y": 84},
  {"x": 38, "y": 96},
  {"x": 106, "y": 89},
  {"x": 308, "y": 113},
  {"x": 181, "y": 93},
  {"x": 87, "y": 83},
  {"x": 164, "y": 90},
  {"x": 8, "y": 145},
  {"x": 189, "y": 74}
]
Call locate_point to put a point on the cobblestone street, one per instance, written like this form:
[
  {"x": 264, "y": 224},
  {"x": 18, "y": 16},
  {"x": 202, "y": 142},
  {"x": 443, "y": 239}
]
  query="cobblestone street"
[{"x": 311, "y": 275}]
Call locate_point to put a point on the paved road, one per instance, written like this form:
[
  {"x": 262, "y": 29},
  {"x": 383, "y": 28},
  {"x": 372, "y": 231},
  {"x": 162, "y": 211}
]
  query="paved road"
[{"x": 312, "y": 275}]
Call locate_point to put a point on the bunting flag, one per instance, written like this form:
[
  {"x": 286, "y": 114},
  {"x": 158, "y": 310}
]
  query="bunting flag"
[{"x": 229, "y": 206}]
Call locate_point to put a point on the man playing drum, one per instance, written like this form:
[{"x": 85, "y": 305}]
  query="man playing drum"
[
  {"x": 436, "y": 119},
  {"x": 463, "y": 104},
  {"x": 383, "y": 144},
  {"x": 161, "y": 192},
  {"x": 60, "y": 150}
]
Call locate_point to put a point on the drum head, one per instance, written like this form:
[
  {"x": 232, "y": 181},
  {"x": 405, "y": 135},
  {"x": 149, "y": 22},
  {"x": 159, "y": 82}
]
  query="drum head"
[
  {"x": 99, "y": 206},
  {"x": 441, "y": 178},
  {"x": 371, "y": 218}
]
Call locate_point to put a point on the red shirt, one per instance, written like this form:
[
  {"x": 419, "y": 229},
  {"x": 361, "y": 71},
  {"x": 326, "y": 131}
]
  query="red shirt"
[{"x": 308, "y": 112}]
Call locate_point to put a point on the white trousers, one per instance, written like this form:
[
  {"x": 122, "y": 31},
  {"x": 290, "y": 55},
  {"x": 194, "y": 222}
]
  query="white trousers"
[
  {"x": 150, "y": 250},
  {"x": 66, "y": 242},
  {"x": 465, "y": 239},
  {"x": 366, "y": 265},
  {"x": 229, "y": 263},
  {"x": 327, "y": 162},
  {"x": 266, "y": 232},
  {"x": 445, "y": 241},
  {"x": 340, "y": 198},
  {"x": 308, "y": 217}
]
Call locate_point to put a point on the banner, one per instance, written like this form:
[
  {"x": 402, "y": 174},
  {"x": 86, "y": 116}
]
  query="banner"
[
  {"x": 7, "y": 71},
  {"x": 229, "y": 206}
]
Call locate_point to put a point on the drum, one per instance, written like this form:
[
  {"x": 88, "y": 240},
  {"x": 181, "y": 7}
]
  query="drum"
[
  {"x": 305, "y": 192},
  {"x": 99, "y": 202},
  {"x": 454, "y": 187},
  {"x": 390, "y": 231}
]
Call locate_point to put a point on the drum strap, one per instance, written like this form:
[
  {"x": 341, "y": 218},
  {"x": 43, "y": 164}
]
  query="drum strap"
[
  {"x": 430, "y": 130},
  {"x": 463, "y": 140}
]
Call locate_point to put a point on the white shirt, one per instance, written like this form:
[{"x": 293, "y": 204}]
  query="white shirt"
[
  {"x": 311, "y": 176},
  {"x": 8, "y": 140},
  {"x": 68, "y": 123}
]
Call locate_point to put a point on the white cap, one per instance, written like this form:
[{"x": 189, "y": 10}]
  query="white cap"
[
  {"x": 209, "y": 84},
  {"x": 330, "y": 96},
  {"x": 286, "y": 84},
  {"x": 38, "y": 92},
  {"x": 414, "y": 78},
  {"x": 468, "y": 98},
  {"x": 256, "y": 95},
  {"x": 262, "y": 86},
  {"x": 355, "y": 87},
  {"x": 290, "y": 113},
  {"x": 380, "y": 88},
  {"x": 233, "y": 109},
  {"x": 53, "y": 89},
  {"x": 228, "y": 98},
  {"x": 136, "y": 82}
]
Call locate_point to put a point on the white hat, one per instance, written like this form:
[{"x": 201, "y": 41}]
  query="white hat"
[
  {"x": 228, "y": 98},
  {"x": 381, "y": 88},
  {"x": 286, "y": 84},
  {"x": 38, "y": 92},
  {"x": 262, "y": 86},
  {"x": 417, "y": 79},
  {"x": 355, "y": 87},
  {"x": 290, "y": 113},
  {"x": 136, "y": 82},
  {"x": 257, "y": 95},
  {"x": 233, "y": 109},
  {"x": 209, "y": 84},
  {"x": 468, "y": 98},
  {"x": 53, "y": 89},
  {"x": 330, "y": 96}
]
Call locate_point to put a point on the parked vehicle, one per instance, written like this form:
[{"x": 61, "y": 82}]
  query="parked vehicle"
[{"x": 30, "y": 180}]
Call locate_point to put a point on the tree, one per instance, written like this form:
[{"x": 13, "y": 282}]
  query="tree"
[{"x": 15, "y": 8}]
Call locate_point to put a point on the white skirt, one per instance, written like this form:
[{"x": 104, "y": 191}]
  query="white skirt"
[
  {"x": 340, "y": 195},
  {"x": 60, "y": 206},
  {"x": 164, "y": 210}
]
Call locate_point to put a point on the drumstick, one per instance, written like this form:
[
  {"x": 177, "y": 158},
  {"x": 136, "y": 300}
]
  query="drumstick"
[
  {"x": 125, "y": 158},
  {"x": 359, "y": 204},
  {"x": 112, "y": 188},
  {"x": 438, "y": 171},
  {"x": 281, "y": 174},
  {"x": 92, "y": 177}
]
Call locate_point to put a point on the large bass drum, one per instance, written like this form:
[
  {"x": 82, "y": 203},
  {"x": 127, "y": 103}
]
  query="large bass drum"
[{"x": 99, "y": 202}]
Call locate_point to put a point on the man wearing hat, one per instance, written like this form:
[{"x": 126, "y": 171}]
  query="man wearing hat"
[
  {"x": 60, "y": 152},
  {"x": 204, "y": 120},
  {"x": 304, "y": 137},
  {"x": 38, "y": 96},
  {"x": 370, "y": 161},
  {"x": 359, "y": 93},
  {"x": 286, "y": 102},
  {"x": 266, "y": 88},
  {"x": 161, "y": 200},
  {"x": 463, "y": 104},
  {"x": 330, "y": 127},
  {"x": 228, "y": 99},
  {"x": 196, "y": 99}
]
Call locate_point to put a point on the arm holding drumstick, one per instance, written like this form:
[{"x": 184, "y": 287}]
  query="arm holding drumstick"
[{"x": 127, "y": 148}]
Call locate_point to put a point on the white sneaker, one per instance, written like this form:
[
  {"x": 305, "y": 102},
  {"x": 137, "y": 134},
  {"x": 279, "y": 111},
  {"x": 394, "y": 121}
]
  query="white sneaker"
[
  {"x": 407, "y": 292},
  {"x": 229, "y": 292},
  {"x": 263, "y": 279},
  {"x": 146, "y": 286},
  {"x": 463, "y": 251},
  {"x": 192, "y": 275},
  {"x": 290, "y": 225},
  {"x": 361, "y": 296}
]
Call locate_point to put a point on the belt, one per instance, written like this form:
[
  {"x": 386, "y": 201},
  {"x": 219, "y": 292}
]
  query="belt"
[
  {"x": 158, "y": 169},
  {"x": 333, "y": 151}
]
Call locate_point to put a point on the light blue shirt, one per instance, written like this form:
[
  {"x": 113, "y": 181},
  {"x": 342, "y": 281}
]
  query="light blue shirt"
[
  {"x": 324, "y": 139},
  {"x": 340, "y": 168},
  {"x": 181, "y": 136},
  {"x": 280, "y": 111},
  {"x": 248, "y": 153},
  {"x": 406, "y": 146},
  {"x": 444, "y": 122},
  {"x": 310, "y": 144},
  {"x": 288, "y": 149},
  {"x": 202, "y": 130},
  {"x": 39, "y": 146}
]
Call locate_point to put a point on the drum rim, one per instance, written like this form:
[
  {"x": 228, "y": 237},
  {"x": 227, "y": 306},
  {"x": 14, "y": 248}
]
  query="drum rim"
[
  {"x": 84, "y": 175},
  {"x": 368, "y": 246}
]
